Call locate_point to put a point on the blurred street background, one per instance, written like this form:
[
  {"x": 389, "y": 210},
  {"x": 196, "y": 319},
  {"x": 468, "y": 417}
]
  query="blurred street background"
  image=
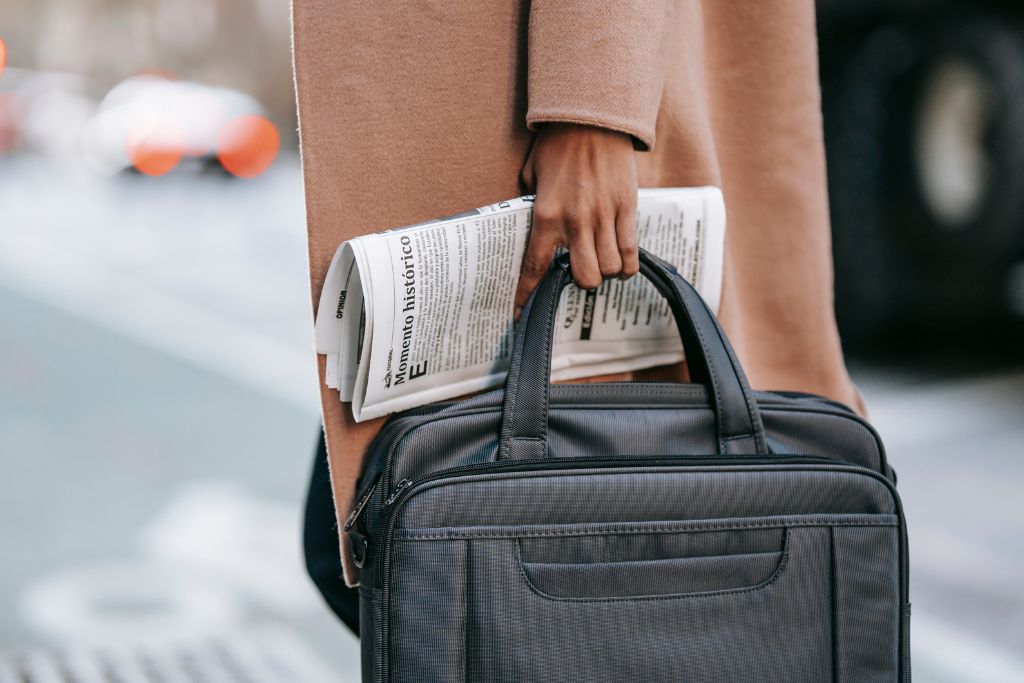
[{"x": 157, "y": 389}]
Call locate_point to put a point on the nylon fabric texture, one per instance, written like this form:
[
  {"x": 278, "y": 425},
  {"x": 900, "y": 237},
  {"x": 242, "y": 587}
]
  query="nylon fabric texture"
[{"x": 614, "y": 531}]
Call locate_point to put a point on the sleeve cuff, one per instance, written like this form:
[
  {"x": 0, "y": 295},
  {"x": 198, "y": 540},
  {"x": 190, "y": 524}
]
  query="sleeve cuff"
[{"x": 643, "y": 136}]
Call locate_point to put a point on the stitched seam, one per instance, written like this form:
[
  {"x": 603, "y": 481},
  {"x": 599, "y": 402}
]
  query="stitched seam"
[
  {"x": 747, "y": 398},
  {"x": 563, "y": 564},
  {"x": 630, "y": 406},
  {"x": 650, "y": 386},
  {"x": 776, "y": 575},
  {"x": 637, "y": 388},
  {"x": 704, "y": 469},
  {"x": 715, "y": 387},
  {"x": 405, "y": 536},
  {"x": 464, "y": 650},
  {"x": 834, "y": 604},
  {"x": 512, "y": 386},
  {"x": 546, "y": 389},
  {"x": 549, "y": 330},
  {"x": 643, "y": 390},
  {"x": 520, "y": 336}
]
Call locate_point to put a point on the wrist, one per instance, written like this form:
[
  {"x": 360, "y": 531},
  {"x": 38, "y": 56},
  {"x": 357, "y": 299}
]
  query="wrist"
[{"x": 584, "y": 131}]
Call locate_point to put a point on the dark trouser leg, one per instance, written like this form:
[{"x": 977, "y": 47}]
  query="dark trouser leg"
[{"x": 320, "y": 543}]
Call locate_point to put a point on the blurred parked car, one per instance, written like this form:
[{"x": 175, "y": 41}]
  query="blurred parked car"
[
  {"x": 924, "y": 119},
  {"x": 152, "y": 125}
]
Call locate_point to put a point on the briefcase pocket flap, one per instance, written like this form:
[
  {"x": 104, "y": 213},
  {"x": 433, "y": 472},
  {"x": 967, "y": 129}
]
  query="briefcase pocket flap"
[{"x": 667, "y": 576}]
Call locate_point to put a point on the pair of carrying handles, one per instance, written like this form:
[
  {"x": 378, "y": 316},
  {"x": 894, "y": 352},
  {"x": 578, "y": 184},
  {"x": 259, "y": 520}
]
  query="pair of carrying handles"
[{"x": 709, "y": 357}]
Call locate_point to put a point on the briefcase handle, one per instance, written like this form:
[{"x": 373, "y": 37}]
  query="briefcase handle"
[{"x": 710, "y": 361}]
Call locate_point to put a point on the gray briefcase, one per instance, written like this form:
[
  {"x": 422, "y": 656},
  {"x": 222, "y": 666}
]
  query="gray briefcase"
[{"x": 629, "y": 531}]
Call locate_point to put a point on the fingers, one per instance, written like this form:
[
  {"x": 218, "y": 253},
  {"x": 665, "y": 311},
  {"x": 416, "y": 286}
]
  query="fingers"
[
  {"x": 586, "y": 269},
  {"x": 527, "y": 176},
  {"x": 607, "y": 247},
  {"x": 585, "y": 183},
  {"x": 602, "y": 243},
  {"x": 539, "y": 250},
  {"x": 626, "y": 238}
]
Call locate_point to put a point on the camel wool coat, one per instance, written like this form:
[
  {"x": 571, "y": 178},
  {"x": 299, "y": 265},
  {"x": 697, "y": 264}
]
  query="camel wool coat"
[{"x": 413, "y": 110}]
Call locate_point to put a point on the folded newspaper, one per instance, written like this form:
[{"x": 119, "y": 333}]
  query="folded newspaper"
[{"x": 424, "y": 313}]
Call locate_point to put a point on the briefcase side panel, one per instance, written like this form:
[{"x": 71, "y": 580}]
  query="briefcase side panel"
[
  {"x": 371, "y": 610},
  {"x": 429, "y": 609},
  {"x": 868, "y": 618}
]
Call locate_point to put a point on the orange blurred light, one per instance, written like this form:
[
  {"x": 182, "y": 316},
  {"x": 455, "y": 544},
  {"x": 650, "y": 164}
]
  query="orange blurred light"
[
  {"x": 158, "y": 72},
  {"x": 247, "y": 145},
  {"x": 3, "y": 55},
  {"x": 155, "y": 145}
]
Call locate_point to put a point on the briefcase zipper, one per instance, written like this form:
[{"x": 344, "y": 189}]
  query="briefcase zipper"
[
  {"x": 397, "y": 492},
  {"x": 402, "y": 489},
  {"x": 360, "y": 504},
  {"x": 405, "y": 486},
  {"x": 390, "y": 505},
  {"x": 364, "y": 499},
  {"x": 432, "y": 412}
]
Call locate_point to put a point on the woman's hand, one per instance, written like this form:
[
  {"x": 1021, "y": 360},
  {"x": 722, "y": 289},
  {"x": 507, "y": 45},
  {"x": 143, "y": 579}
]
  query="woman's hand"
[{"x": 585, "y": 181}]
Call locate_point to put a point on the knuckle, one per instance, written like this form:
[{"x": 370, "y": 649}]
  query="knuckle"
[
  {"x": 626, "y": 235},
  {"x": 587, "y": 280},
  {"x": 607, "y": 206},
  {"x": 535, "y": 264},
  {"x": 545, "y": 213},
  {"x": 610, "y": 264},
  {"x": 604, "y": 223},
  {"x": 627, "y": 213},
  {"x": 627, "y": 192},
  {"x": 574, "y": 222},
  {"x": 533, "y": 267}
]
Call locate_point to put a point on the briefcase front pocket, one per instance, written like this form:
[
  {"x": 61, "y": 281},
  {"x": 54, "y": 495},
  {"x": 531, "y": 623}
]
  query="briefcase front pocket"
[
  {"x": 614, "y": 621},
  {"x": 613, "y": 566},
  {"x": 495, "y": 582},
  {"x": 508, "y": 609}
]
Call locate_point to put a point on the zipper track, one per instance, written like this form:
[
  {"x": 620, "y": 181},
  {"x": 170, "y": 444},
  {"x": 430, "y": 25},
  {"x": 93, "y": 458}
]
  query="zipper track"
[
  {"x": 431, "y": 412},
  {"x": 403, "y": 493}
]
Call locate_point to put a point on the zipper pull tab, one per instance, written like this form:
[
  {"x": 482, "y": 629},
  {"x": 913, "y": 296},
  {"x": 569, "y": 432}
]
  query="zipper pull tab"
[
  {"x": 361, "y": 505},
  {"x": 398, "y": 489}
]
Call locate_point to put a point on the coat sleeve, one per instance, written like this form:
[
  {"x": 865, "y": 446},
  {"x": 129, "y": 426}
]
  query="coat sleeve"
[{"x": 597, "y": 63}]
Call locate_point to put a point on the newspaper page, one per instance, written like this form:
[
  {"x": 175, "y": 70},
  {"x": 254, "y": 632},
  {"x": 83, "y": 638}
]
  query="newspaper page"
[{"x": 425, "y": 313}]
